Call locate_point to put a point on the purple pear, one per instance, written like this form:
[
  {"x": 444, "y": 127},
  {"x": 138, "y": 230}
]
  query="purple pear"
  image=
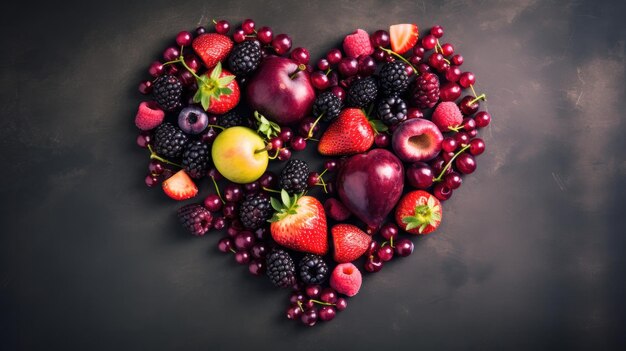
[{"x": 370, "y": 185}]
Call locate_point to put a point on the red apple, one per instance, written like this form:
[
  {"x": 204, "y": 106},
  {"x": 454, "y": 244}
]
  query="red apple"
[{"x": 281, "y": 90}]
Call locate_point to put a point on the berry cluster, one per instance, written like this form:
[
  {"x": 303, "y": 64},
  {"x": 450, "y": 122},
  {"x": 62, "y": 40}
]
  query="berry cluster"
[{"x": 389, "y": 91}]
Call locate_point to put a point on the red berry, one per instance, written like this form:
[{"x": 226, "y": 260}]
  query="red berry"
[
  {"x": 281, "y": 44},
  {"x": 429, "y": 42},
  {"x": 437, "y": 31},
  {"x": 222, "y": 27},
  {"x": 248, "y": 26},
  {"x": 482, "y": 119},
  {"x": 265, "y": 35},
  {"x": 183, "y": 38},
  {"x": 447, "y": 49},
  {"x": 467, "y": 79},
  {"x": 300, "y": 55}
]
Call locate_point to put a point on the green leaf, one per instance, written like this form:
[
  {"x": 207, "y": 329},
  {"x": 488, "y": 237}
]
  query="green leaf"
[
  {"x": 378, "y": 125},
  {"x": 292, "y": 212},
  {"x": 205, "y": 101},
  {"x": 284, "y": 196},
  {"x": 422, "y": 227},
  {"x": 217, "y": 71},
  {"x": 225, "y": 91},
  {"x": 276, "y": 205},
  {"x": 224, "y": 81},
  {"x": 197, "y": 97}
]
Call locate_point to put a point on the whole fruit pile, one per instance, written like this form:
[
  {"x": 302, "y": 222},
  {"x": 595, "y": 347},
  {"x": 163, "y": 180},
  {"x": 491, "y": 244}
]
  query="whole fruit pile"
[{"x": 223, "y": 104}]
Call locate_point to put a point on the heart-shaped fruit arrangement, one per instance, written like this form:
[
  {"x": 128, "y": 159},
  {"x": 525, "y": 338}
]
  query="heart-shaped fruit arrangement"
[{"x": 387, "y": 109}]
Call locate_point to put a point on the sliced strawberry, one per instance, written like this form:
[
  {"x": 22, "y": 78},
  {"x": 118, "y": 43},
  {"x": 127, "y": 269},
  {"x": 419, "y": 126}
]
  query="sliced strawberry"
[
  {"x": 212, "y": 48},
  {"x": 418, "y": 212},
  {"x": 403, "y": 37},
  {"x": 351, "y": 133},
  {"x": 299, "y": 224},
  {"x": 350, "y": 242},
  {"x": 180, "y": 186}
]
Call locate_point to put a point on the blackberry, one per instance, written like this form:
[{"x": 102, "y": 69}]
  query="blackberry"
[
  {"x": 294, "y": 176},
  {"x": 313, "y": 269},
  {"x": 281, "y": 269},
  {"x": 393, "y": 78},
  {"x": 166, "y": 91},
  {"x": 392, "y": 110},
  {"x": 362, "y": 92},
  {"x": 196, "y": 159},
  {"x": 328, "y": 104},
  {"x": 245, "y": 57},
  {"x": 255, "y": 210},
  {"x": 425, "y": 92},
  {"x": 169, "y": 140},
  {"x": 195, "y": 218},
  {"x": 231, "y": 119}
]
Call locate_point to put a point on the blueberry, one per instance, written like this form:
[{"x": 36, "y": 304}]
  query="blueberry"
[{"x": 192, "y": 120}]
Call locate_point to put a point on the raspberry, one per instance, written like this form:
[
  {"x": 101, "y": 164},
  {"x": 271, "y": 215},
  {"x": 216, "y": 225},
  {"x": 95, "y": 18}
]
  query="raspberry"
[
  {"x": 195, "y": 218},
  {"x": 425, "y": 93},
  {"x": 346, "y": 279},
  {"x": 149, "y": 116},
  {"x": 357, "y": 44},
  {"x": 446, "y": 115}
]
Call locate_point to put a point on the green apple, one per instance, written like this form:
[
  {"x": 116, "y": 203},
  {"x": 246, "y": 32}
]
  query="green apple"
[{"x": 238, "y": 154}]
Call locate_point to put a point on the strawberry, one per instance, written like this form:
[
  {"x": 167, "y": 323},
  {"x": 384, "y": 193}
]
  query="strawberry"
[
  {"x": 403, "y": 37},
  {"x": 180, "y": 186},
  {"x": 447, "y": 116},
  {"x": 418, "y": 212},
  {"x": 218, "y": 91},
  {"x": 357, "y": 44},
  {"x": 212, "y": 48},
  {"x": 299, "y": 223},
  {"x": 149, "y": 115},
  {"x": 350, "y": 242},
  {"x": 351, "y": 133}
]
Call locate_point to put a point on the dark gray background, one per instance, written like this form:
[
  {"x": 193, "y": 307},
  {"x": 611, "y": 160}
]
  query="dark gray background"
[{"x": 530, "y": 254}]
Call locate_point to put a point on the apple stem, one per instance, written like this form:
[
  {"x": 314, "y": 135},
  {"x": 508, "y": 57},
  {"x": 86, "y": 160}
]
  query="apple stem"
[
  {"x": 449, "y": 164},
  {"x": 217, "y": 189},
  {"x": 301, "y": 67},
  {"x": 154, "y": 156},
  {"x": 310, "y": 134},
  {"x": 267, "y": 147},
  {"x": 400, "y": 57}
]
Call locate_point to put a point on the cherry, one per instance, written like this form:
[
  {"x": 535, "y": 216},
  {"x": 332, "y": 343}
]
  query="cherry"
[
  {"x": 465, "y": 163},
  {"x": 268, "y": 180},
  {"x": 467, "y": 79},
  {"x": 472, "y": 133},
  {"x": 414, "y": 113},
  {"x": 435, "y": 60},
  {"x": 443, "y": 67},
  {"x": 313, "y": 291},
  {"x": 367, "y": 65},
  {"x": 239, "y": 36},
  {"x": 447, "y": 49},
  {"x": 379, "y": 55},
  {"x": 348, "y": 66},
  {"x": 482, "y": 119},
  {"x": 373, "y": 264},
  {"x": 477, "y": 146},
  {"x": 461, "y": 138},
  {"x": 144, "y": 139},
  {"x": 248, "y": 26},
  {"x": 309, "y": 317},
  {"x": 229, "y": 210},
  {"x": 438, "y": 165},
  {"x": 372, "y": 248},
  {"x": 294, "y": 312},
  {"x": 244, "y": 240},
  {"x": 389, "y": 230},
  {"x": 192, "y": 62},
  {"x": 385, "y": 253},
  {"x": 219, "y": 223},
  {"x": 276, "y": 143},
  {"x": 404, "y": 247},
  {"x": 225, "y": 244},
  {"x": 333, "y": 79},
  {"x": 327, "y": 313},
  {"x": 251, "y": 188},
  {"x": 171, "y": 53},
  {"x": 222, "y": 26},
  {"x": 437, "y": 31},
  {"x": 281, "y": 44},
  {"x": 449, "y": 144},
  {"x": 453, "y": 180},
  {"x": 418, "y": 51},
  {"x": 298, "y": 143},
  {"x": 420, "y": 175},
  {"x": 423, "y": 68},
  {"x": 186, "y": 78},
  {"x": 339, "y": 92},
  {"x": 429, "y": 42},
  {"x": 334, "y": 56},
  {"x": 151, "y": 180},
  {"x": 183, "y": 38},
  {"x": 442, "y": 191},
  {"x": 380, "y": 38},
  {"x": 450, "y": 91},
  {"x": 300, "y": 55},
  {"x": 328, "y": 295},
  {"x": 257, "y": 267},
  {"x": 145, "y": 87},
  {"x": 213, "y": 203},
  {"x": 233, "y": 193},
  {"x": 468, "y": 124},
  {"x": 155, "y": 69},
  {"x": 155, "y": 167},
  {"x": 242, "y": 257},
  {"x": 319, "y": 80},
  {"x": 341, "y": 304},
  {"x": 312, "y": 179},
  {"x": 284, "y": 154},
  {"x": 200, "y": 30},
  {"x": 323, "y": 64},
  {"x": 457, "y": 60},
  {"x": 265, "y": 35},
  {"x": 382, "y": 140},
  {"x": 259, "y": 250},
  {"x": 453, "y": 74},
  {"x": 286, "y": 134}
]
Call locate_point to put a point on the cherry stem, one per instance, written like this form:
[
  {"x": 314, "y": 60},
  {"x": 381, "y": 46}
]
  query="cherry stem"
[
  {"x": 217, "y": 190},
  {"x": 301, "y": 67},
  {"x": 275, "y": 155},
  {"x": 328, "y": 71},
  {"x": 389, "y": 51},
  {"x": 390, "y": 242},
  {"x": 300, "y": 305},
  {"x": 232, "y": 250},
  {"x": 322, "y": 302},
  {"x": 270, "y": 190},
  {"x": 478, "y": 98},
  {"x": 310, "y": 134},
  {"x": 154, "y": 156},
  {"x": 441, "y": 49},
  {"x": 456, "y": 129},
  {"x": 215, "y": 126},
  {"x": 449, "y": 164}
]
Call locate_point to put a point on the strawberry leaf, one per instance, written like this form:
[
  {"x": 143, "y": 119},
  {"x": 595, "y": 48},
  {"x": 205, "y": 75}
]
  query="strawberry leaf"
[
  {"x": 217, "y": 72},
  {"x": 276, "y": 205},
  {"x": 205, "y": 100},
  {"x": 284, "y": 196},
  {"x": 378, "y": 125},
  {"x": 224, "y": 81}
]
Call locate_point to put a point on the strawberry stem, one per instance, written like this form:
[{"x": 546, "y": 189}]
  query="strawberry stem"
[
  {"x": 217, "y": 189},
  {"x": 389, "y": 51},
  {"x": 449, "y": 164},
  {"x": 154, "y": 156}
]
